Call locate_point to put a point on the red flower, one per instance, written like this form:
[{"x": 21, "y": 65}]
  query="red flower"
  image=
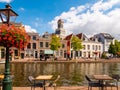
[{"x": 13, "y": 36}]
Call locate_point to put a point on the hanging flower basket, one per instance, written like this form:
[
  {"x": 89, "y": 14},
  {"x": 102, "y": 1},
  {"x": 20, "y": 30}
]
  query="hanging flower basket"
[{"x": 12, "y": 36}]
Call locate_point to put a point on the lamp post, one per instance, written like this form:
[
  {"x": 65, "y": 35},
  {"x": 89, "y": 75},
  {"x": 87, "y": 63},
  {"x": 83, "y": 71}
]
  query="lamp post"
[{"x": 6, "y": 15}]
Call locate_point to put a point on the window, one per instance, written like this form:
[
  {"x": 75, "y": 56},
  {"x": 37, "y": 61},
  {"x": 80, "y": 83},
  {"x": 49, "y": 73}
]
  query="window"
[
  {"x": 84, "y": 47},
  {"x": 29, "y": 46},
  {"x": 16, "y": 52},
  {"x": 63, "y": 46},
  {"x": 99, "y": 47},
  {"x": 41, "y": 44},
  {"x": 84, "y": 54},
  {"x": 88, "y": 46},
  {"x": 96, "y": 47},
  {"x": 57, "y": 53},
  {"x": 47, "y": 44},
  {"x": 34, "y": 45},
  {"x": 34, "y": 37},
  {"x": 61, "y": 52},
  {"x": 93, "y": 47}
]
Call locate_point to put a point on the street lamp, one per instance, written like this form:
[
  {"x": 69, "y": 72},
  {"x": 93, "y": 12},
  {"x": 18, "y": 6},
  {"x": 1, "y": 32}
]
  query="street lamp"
[{"x": 6, "y": 15}]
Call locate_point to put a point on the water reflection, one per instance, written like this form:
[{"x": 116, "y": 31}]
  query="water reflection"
[{"x": 71, "y": 73}]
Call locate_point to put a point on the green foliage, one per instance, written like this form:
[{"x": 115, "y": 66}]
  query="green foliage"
[
  {"x": 76, "y": 43},
  {"x": 114, "y": 48},
  {"x": 55, "y": 43},
  {"x": 104, "y": 55},
  {"x": 117, "y": 46}
]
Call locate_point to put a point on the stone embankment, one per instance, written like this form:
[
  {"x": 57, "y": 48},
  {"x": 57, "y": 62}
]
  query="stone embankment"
[{"x": 72, "y": 61}]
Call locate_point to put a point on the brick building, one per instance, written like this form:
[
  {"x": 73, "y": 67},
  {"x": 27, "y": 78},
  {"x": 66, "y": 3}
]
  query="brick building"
[{"x": 39, "y": 46}]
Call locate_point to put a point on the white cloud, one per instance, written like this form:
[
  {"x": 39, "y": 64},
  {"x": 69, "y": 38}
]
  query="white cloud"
[
  {"x": 30, "y": 29},
  {"x": 102, "y": 16},
  {"x": 104, "y": 5},
  {"x": 7, "y": 1},
  {"x": 22, "y": 9}
]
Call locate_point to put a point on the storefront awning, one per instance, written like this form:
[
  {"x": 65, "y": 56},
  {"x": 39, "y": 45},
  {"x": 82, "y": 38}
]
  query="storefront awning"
[{"x": 48, "y": 51}]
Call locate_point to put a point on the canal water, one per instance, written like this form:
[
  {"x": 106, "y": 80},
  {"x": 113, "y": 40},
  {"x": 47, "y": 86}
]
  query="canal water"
[{"x": 71, "y": 73}]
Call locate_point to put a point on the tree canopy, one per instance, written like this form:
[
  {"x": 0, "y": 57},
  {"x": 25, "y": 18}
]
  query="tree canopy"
[
  {"x": 76, "y": 43},
  {"x": 55, "y": 43},
  {"x": 114, "y": 48}
]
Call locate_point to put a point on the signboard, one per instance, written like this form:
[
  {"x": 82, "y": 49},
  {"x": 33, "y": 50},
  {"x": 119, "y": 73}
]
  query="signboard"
[{"x": 48, "y": 51}]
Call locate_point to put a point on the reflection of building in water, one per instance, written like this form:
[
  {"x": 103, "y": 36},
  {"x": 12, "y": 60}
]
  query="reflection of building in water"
[{"x": 21, "y": 70}]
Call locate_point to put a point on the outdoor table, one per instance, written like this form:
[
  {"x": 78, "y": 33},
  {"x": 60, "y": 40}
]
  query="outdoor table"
[
  {"x": 101, "y": 78},
  {"x": 44, "y": 78}
]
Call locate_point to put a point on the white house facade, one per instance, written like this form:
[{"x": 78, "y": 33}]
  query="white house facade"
[{"x": 106, "y": 39}]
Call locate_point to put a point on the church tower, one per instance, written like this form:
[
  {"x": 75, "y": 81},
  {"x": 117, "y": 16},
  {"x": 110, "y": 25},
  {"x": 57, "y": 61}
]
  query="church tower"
[{"x": 60, "y": 31}]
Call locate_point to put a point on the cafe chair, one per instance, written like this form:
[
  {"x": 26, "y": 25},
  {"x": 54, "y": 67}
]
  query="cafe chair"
[
  {"x": 92, "y": 83},
  {"x": 33, "y": 83},
  {"x": 53, "y": 83},
  {"x": 116, "y": 77},
  {"x": 114, "y": 82}
]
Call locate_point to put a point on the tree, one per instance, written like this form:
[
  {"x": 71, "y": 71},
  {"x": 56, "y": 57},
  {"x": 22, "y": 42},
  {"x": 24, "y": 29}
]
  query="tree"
[
  {"x": 117, "y": 46},
  {"x": 76, "y": 44},
  {"x": 55, "y": 43},
  {"x": 114, "y": 48}
]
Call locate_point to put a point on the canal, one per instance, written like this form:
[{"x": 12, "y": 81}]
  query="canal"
[{"x": 71, "y": 73}]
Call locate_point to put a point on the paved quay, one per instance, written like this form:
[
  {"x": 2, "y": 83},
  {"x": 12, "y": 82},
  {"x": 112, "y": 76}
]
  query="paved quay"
[{"x": 64, "y": 88}]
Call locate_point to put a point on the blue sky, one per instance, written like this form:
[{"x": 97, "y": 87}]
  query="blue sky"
[{"x": 86, "y": 16}]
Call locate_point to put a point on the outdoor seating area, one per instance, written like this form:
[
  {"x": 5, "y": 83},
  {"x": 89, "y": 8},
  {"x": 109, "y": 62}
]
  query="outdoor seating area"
[
  {"x": 95, "y": 82},
  {"x": 103, "y": 82},
  {"x": 47, "y": 82},
  {"x": 43, "y": 81}
]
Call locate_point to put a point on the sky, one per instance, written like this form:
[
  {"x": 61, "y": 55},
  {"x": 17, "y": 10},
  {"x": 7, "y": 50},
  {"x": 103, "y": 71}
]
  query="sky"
[{"x": 80, "y": 16}]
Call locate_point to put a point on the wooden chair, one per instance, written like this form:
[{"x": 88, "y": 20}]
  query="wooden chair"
[
  {"x": 53, "y": 83},
  {"x": 33, "y": 83},
  {"x": 92, "y": 83},
  {"x": 114, "y": 82}
]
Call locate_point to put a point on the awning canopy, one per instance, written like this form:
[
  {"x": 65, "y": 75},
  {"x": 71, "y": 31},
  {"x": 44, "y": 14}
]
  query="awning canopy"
[{"x": 48, "y": 51}]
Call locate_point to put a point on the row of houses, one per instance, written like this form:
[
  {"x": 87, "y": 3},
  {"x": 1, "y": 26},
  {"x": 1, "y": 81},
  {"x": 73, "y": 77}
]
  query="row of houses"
[{"x": 39, "y": 45}]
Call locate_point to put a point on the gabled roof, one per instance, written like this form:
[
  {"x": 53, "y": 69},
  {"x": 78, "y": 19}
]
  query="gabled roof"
[
  {"x": 68, "y": 37},
  {"x": 79, "y": 35},
  {"x": 82, "y": 36}
]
